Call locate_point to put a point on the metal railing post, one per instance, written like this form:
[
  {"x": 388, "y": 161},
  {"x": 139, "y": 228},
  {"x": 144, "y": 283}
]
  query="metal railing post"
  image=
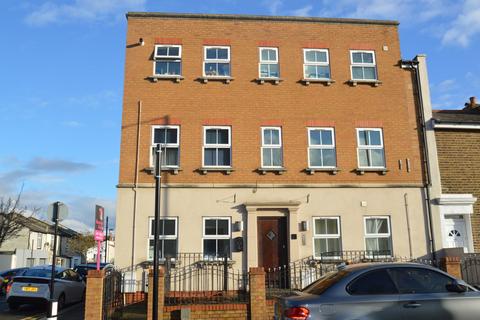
[{"x": 225, "y": 273}]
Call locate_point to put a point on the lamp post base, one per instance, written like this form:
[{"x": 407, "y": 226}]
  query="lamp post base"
[{"x": 52, "y": 310}]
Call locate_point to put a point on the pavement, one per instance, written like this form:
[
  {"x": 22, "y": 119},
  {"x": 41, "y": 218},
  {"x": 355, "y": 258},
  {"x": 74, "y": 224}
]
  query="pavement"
[{"x": 30, "y": 312}]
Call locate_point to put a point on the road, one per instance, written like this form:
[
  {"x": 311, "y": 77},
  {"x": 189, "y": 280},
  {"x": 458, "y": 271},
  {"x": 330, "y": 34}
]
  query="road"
[{"x": 27, "y": 312}]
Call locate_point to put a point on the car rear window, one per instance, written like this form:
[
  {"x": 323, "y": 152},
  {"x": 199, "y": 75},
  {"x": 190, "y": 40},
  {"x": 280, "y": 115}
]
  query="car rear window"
[
  {"x": 42, "y": 273},
  {"x": 321, "y": 285}
]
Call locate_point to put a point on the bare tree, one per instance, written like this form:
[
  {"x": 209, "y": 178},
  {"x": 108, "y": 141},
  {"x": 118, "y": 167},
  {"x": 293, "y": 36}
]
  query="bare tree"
[{"x": 13, "y": 218}]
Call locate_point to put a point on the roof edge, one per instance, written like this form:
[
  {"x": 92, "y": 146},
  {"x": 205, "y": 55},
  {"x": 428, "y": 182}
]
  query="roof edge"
[{"x": 258, "y": 18}]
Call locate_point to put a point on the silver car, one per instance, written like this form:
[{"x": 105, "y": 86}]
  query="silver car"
[
  {"x": 387, "y": 291},
  {"x": 34, "y": 287}
]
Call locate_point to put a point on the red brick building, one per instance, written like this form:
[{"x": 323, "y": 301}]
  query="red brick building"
[{"x": 283, "y": 138}]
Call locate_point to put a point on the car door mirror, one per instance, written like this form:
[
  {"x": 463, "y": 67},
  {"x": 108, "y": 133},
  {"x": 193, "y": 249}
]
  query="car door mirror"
[{"x": 456, "y": 287}]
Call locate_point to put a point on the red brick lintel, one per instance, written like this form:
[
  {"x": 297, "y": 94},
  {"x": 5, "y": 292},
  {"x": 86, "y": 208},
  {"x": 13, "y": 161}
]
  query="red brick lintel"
[
  {"x": 274, "y": 122},
  {"x": 208, "y": 307},
  {"x": 159, "y": 40}
]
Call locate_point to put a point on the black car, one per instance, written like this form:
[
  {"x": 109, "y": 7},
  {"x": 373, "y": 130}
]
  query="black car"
[
  {"x": 83, "y": 269},
  {"x": 7, "y": 276}
]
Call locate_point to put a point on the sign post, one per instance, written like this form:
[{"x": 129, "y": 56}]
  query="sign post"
[
  {"x": 56, "y": 212},
  {"x": 98, "y": 236}
]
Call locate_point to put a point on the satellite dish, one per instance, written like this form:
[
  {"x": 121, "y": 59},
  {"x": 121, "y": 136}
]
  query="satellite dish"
[{"x": 62, "y": 211}]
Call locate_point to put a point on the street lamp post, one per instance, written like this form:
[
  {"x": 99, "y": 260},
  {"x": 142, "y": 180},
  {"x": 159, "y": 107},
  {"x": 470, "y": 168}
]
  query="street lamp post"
[{"x": 156, "y": 242}]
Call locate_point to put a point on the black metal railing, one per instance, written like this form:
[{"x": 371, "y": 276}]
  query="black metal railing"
[
  {"x": 205, "y": 281},
  {"x": 112, "y": 294},
  {"x": 357, "y": 256},
  {"x": 283, "y": 280},
  {"x": 470, "y": 267}
]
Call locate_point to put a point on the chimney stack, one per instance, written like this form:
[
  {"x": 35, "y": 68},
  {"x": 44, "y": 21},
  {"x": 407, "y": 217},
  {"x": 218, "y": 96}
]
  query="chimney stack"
[{"x": 472, "y": 104}]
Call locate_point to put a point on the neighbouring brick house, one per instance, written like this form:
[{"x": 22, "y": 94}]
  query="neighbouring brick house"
[
  {"x": 284, "y": 138},
  {"x": 457, "y": 134}
]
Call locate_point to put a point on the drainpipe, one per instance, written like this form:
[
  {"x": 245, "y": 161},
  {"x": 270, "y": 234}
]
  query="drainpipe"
[
  {"x": 413, "y": 65},
  {"x": 409, "y": 232},
  {"x": 134, "y": 189}
]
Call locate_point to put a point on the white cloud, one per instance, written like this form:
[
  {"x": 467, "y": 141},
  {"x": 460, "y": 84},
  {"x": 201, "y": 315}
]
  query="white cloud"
[
  {"x": 90, "y": 10},
  {"x": 77, "y": 226},
  {"x": 303, "y": 12},
  {"x": 273, "y": 6},
  {"x": 37, "y": 179},
  {"x": 465, "y": 26}
]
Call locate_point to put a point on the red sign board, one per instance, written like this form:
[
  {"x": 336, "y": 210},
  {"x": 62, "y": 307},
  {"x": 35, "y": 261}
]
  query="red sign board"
[{"x": 99, "y": 217}]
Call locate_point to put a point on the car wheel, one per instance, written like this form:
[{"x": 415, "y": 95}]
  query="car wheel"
[
  {"x": 13, "y": 305},
  {"x": 61, "y": 301}
]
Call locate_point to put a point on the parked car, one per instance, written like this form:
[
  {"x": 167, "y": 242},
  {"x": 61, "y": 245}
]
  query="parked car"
[
  {"x": 394, "y": 291},
  {"x": 7, "y": 275},
  {"x": 83, "y": 269},
  {"x": 33, "y": 287}
]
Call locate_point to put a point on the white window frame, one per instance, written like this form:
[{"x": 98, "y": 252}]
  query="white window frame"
[
  {"x": 39, "y": 243},
  {"x": 217, "y": 146},
  {"x": 167, "y": 58},
  {"x": 332, "y": 146},
  {"x": 152, "y": 236},
  {"x": 326, "y": 236},
  {"x": 378, "y": 235},
  {"x": 363, "y": 64},
  {"x": 271, "y": 146},
  {"x": 217, "y": 237},
  {"x": 370, "y": 147},
  {"x": 269, "y": 62},
  {"x": 205, "y": 61},
  {"x": 165, "y": 145},
  {"x": 322, "y": 64}
]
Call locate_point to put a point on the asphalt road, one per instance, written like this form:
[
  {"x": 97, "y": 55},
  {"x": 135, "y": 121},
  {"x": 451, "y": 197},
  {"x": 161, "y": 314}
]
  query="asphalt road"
[{"x": 30, "y": 312}]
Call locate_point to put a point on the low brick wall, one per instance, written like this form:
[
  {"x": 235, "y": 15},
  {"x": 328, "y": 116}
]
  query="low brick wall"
[
  {"x": 270, "y": 312},
  {"x": 237, "y": 311}
]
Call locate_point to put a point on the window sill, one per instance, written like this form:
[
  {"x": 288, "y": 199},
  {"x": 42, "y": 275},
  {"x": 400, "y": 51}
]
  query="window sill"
[
  {"x": 151, "y": 170},
  {"x": 361, "y": 171},
  {"x": 213, "y": 78},
  {"x": 155, "y": 78},
  {"x": 225, "y": 170},
  {"x": 275, "y": 81},
  {"x": 326, "y": 82},
  {"x": 373, "y": 83},
  {"x": 264, "y": 171},
  {"x": 332, "y": 171}
]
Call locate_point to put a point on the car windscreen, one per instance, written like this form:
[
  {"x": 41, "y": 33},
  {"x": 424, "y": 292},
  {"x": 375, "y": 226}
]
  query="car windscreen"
[
  {"x": 41, "y": 273},
  {"x": 329, "y": 279}
]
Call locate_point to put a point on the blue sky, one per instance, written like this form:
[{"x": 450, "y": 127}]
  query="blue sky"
[{"x": 61, "y": 81}]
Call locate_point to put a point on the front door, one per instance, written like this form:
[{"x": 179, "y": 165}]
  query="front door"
[
  {"x": 272, "y": 242},
  {"x": 456, "y": 233}
]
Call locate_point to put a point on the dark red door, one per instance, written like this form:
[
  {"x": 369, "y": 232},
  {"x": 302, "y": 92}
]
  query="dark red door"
[{"x": 272, "y": 242}]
